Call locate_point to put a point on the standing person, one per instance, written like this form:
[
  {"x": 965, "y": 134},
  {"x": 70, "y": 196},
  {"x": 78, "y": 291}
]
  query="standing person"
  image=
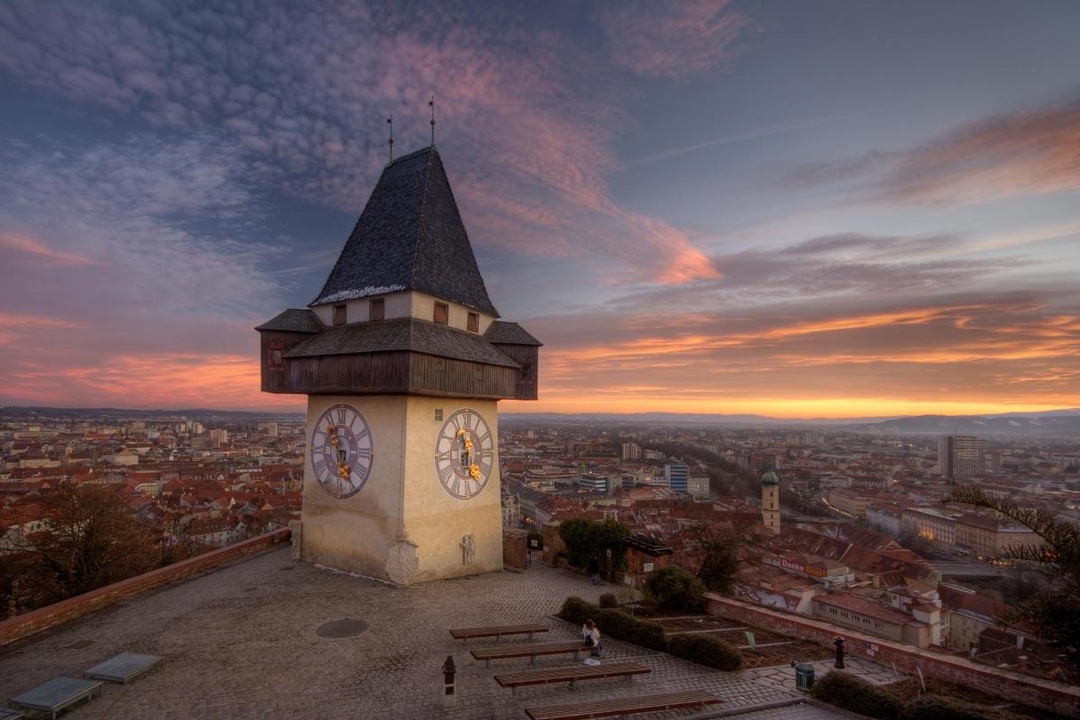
[
  {"x": 594, "y": 571},
  {"x": 591, "y": 634}
]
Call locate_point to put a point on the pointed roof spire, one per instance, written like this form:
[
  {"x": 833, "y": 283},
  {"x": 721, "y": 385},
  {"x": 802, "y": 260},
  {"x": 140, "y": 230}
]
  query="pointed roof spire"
[{"x": 409, "y": 237}]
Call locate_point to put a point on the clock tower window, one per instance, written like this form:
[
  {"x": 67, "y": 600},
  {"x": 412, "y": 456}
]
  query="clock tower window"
[
  {"x": 474, "y": 322},
  {"x": 340, "y": 316},
  {"x": 377, "y": 310},
  {"x": 442, "y": 313}
]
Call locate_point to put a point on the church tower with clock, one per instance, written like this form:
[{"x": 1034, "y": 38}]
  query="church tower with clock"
[{"x": 403, "y": 358}]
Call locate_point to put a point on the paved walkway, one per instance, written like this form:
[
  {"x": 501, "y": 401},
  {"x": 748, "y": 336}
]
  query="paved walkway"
[{"x": 241, "y": 642}]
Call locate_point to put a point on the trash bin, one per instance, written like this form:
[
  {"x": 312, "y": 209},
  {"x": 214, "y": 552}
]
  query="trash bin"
[{"x": 804, "y": 677}]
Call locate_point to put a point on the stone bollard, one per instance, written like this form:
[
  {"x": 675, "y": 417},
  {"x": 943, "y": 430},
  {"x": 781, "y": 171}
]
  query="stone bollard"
[
  {"x": 449, "y": 682},
  {"x": 296, "y": 528}
]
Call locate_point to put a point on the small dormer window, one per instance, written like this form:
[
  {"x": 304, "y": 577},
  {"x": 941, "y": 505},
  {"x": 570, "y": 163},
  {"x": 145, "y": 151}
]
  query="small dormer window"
[
  {"x": 442, "y": 313},
  {"x": 377, "y": 310},
  {"x": 474, "y": 322},
  {"x": 340, "y": 317}
]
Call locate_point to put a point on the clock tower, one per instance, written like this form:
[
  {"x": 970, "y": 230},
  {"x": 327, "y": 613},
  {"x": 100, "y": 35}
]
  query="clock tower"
[{"x": 403, "y": 358}]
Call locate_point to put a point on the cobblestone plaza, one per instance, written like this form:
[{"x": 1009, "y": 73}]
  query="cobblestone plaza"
[{"x": 242, "y": 642}]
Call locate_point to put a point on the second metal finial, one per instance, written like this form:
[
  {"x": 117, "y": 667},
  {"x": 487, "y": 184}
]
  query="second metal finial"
[
  {"x": 431, "y": 104},
  {"x": 390, "y": 120}
]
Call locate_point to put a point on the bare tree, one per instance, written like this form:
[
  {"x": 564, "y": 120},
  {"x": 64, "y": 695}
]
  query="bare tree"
[{"x": 86, "y": 538}]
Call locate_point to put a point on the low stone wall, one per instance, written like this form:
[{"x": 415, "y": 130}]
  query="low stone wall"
[
  {"x": 49, "y": 616},
  {"x": 1016, "y": 687}
]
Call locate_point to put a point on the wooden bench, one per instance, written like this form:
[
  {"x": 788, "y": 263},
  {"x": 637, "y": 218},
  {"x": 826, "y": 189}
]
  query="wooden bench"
[
  {"x": 530, "y": 651},
  {"x": 571, "y": 674},
  {"x": 496, "y": 631},
  {"x": 623, "y": 706}
]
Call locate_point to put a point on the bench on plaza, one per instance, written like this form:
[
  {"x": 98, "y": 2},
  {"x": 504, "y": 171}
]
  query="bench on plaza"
[
  {"x": 123, "y": 668},
  {"x": 58, "y": 694},
  {"x": 530, "y": 651},
  {"x": 570, "y": 674},
  {"x": 623, "y": 706},
  {"x": 496, "y": 631}
]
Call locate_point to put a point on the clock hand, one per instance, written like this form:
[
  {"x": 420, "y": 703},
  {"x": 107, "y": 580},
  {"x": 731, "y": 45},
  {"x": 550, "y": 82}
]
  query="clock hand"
[
  {"x": 343, "y": 469},
  {"x": 474, "y": 472}
]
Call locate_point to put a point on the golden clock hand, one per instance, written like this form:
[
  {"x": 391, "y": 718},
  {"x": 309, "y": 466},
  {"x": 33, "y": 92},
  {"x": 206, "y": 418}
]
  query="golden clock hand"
[
  {"x": 343, "y": 469},
  {"x": 474, "y": 471}
]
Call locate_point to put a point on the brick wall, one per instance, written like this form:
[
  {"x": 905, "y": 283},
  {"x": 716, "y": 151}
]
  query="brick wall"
[
  {"x": 1036, "y": 692},
  {"x": 49, "y": 616},
  {"x": 515, "y": 548}
]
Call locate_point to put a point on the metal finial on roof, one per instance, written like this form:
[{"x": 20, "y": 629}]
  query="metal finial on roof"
[
  {"x": 390, "y": 120},
  {"x": 431, "y": 104}
]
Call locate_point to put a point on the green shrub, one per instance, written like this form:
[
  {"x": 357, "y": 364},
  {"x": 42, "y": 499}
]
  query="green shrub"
[
  {"x": 852, "y": 693},
  {"x": 707, "y": 650},
  {"x": 608, "y": 600},
  {"x": 643, "y": 633},
  {"x": 937, "y": 707},
  {"x": 577, "y": 611},
  {"x": 675, "y": 589}
]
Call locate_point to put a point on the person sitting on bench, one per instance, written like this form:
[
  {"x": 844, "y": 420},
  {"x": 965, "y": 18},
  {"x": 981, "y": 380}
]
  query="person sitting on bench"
[{"x": 591, "y": 633}]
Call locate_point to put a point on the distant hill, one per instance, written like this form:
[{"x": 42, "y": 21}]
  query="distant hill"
[
  {"x": 26, "y": 414},
  {"x": 1064, "y": 423},
  {"x": 1052, "y": 423},
  {"x": 1059, "y": 423}
]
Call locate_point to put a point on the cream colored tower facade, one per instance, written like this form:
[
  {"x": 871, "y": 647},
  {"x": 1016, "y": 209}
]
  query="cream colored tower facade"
[
  {"x": 403, "y": 359},
  {"x": 404, "y": 525},
  {"x": 770, "y": 501}
]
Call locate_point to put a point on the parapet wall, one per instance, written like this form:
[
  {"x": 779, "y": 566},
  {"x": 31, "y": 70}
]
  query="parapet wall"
[
  {"x": 1016, "y": 687},
  {"x": 49, "y": 616}
]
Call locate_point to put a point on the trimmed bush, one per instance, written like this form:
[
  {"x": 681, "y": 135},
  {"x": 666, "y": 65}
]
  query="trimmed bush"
[
  {"x": 707, "y": 650},
  {"x": 608, "y": 600},
  {"x": 849, "y": 692},
  {"x": 577, "y": 611},
  {"x": 642, "y": 633}
]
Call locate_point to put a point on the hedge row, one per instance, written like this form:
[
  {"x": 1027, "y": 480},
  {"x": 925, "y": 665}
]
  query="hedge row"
[
  {"x": 852, "y": 693},
  {"x": 707, "y": 650},
  {"x": 703, "y": 649}
]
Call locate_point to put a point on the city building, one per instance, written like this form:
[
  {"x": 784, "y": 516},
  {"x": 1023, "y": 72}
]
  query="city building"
[
  {"x": 677, "y": 476},
  {"x": 961, "y": 457}
]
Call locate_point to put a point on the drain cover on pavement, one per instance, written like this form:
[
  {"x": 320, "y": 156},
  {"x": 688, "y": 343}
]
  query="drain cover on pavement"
[{"x": 347, "y": 627}]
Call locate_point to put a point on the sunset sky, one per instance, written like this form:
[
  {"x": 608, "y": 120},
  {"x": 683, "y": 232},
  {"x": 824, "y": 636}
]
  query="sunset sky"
[{"x": 797, "y": 209}]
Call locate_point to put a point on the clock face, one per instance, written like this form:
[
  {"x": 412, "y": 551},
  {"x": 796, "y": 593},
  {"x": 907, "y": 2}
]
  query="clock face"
[
  {"x": 464, "y": 454},
  {"x": 341, "y": 450}
]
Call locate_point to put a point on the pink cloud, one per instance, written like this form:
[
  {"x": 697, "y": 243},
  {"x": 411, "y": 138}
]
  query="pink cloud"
[
  {"x": 673, "y": 39},
  {"x": 1029, "y": 153},
  {"x": 1025, "y": 153},
  {"x": 38, "y": 250}
]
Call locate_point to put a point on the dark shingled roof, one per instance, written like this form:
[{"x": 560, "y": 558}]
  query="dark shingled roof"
[
  {"x": 402, "y": 334},
  {"x": 409, "y": 237},
  {"x": 509, "y": 333},
  {"x": 294, "y": 320}
]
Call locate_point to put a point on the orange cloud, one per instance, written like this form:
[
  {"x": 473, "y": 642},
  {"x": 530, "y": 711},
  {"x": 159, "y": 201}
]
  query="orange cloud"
[
  {"x": 12, "y": 325},
  {"x": 153, "y": 381}
]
